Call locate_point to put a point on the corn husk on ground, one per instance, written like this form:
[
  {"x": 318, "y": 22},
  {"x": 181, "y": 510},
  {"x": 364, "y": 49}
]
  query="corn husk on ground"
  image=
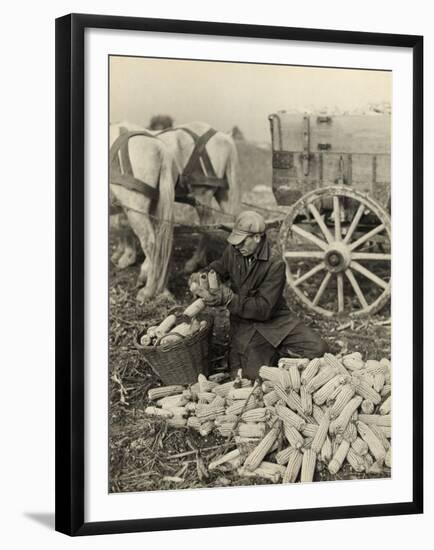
[{"x": 297, "y": 420}]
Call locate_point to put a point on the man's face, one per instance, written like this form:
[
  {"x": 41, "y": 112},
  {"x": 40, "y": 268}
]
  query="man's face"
[{"x": 249, "y": 245}]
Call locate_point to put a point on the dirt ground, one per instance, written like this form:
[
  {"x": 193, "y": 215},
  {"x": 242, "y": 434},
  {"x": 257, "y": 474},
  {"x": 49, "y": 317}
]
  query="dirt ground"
[{"x": 148, "y": 455}]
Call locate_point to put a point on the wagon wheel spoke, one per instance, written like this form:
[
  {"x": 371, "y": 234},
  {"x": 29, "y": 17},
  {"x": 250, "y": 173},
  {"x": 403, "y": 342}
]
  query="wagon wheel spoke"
[
  {"x": 369, "y": 275},
  {"x": 308, "y": 236},
  {"x": 337, "y": 217},
  {"x": 325, "y": 230},
  {"x": 321, "y": 289},
  {"x": 340, "y": 283},
  {"x": 367, "y": 236},
  {"x": 371, "y": 256},
  {"x": 355, "y": 222},
  {"x": 303, "y": 254},
  {"x": 309, "y": 273},
  {"x": 356, "y": 288}
]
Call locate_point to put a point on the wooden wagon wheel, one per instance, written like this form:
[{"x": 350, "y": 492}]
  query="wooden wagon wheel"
[{"x": 336, "y": 246}]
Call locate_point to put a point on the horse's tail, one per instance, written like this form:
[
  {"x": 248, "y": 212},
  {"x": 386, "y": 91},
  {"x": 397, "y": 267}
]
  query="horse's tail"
[
  {"x": 230, "y": 200},
  {"x": 164, "y": 221}
]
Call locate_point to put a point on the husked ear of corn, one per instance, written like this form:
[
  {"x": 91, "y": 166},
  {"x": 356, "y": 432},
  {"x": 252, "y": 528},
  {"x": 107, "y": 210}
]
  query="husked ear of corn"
[
  {"x": 379, "y": 381},
  {"x": 341, "y": 422},
  {"x": 360, "y": 446},
  {"x": 270, "y": 373},
  {"x": 225, "y": 458},
  {"x": 206, "y": 428},
  {"x": 335, "y": 364},
  {"x": 365, "y": 390},
  {"x": 240, "y": 393},
  {"x": 387, "y": 430},
  {"x": 212, "y": 410},
  {"x": 386, "y": 406},
  {"x": 240, "y": 405},
  {"x": 177, "y": 421},
  {"x": 324, "y": 375},
  {"x": 177, "y": 411},
  {"x": 367, "y": 406},
  {"x": 326, "y": 451},
  {"x": 267, "y": 386},
  {"x": 282, "y": 456},
  {"x": 270, "y": 398},
  {"x": 225, "y": 430},
  {"x": 317, "y": 413},
  {"x": 259, "y": 453},
  {"x": 194, "y": 422},
  {"x": 368, "y": 378},
  {"x": 287, "y": 362},
  {"x": 344, "y": 396},
  {"x": 321, "y": 434},
  {"x": 310, "y": 430},
  {"x": 387, "y": 388},
  {"x": 373, "y": 366},
  {"x": 350, "y": 432},
  {"x": 356, "y": 461},
  {"x": 190, "y": 407},
  {"x": 306, "y": 400},
  {"x": 353, "y": 361},
  {"x": 377, "y": 419},
  {"x": 294, "y": 375},
  {"x": 251, "y": 429},
  {"x": 256, "y": 415},
  {"x": 310, "y": 371},
  {"x": 326, "y": 391},
  {"x": 172, "y": 401},
  {"x": 205, "y": 385},
  {"x": 388, "y": 459},
  {"x": 308, "y": 466},
  {"x": 374, "y": 444},
  {"x": 293, "y": 436},
  {"x": 293, "y": 466},
  {"x": 290, "y": 417},
  {"x": 164, "y": 391},
  {"x": 369, "y": 461},
  {"x": 265, "y": 470},
  {"x": 285, "y": 379},
  {"x": 340, "y": 455},
  {"x": 378, "y": 433},
  {"x": 205, "y": 397},
  {"x": 155, "y": 411}
]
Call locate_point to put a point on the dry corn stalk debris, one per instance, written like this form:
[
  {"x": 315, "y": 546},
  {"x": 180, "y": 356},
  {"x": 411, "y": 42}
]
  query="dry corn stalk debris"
[{"x": 274, "y": 431}]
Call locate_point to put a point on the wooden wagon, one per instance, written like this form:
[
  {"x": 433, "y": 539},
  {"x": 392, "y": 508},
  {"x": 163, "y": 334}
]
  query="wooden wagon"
[{"x": 334, "y": 174}]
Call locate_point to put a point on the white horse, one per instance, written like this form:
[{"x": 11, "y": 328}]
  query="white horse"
[
  {"x": 150, "y": 215},
  {"x": 220, "y": 184}
]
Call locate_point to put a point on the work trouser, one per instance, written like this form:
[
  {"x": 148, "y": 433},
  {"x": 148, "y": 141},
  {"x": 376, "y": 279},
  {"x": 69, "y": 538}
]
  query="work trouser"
[{"x": 302, "y": 341}]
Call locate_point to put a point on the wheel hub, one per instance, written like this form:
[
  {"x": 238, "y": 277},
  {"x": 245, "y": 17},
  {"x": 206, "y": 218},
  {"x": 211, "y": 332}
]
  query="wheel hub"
[{"x": 337, "y": 257}]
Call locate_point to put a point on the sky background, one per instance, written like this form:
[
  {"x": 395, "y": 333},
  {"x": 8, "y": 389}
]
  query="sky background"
[{"x": 229, "y": 94}]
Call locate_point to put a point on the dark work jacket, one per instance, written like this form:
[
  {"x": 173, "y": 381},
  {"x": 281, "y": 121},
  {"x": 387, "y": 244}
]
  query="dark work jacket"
[{"x": 258, "y": 303}]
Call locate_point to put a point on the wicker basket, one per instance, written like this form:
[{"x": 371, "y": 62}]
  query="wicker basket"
[{"x": 180, "y": 362}]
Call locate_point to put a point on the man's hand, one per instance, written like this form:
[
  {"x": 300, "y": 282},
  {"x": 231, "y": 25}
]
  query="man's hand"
[{"x": 219, "y": 297}]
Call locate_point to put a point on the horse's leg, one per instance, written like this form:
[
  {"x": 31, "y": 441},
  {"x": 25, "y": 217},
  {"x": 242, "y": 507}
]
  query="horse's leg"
[
  {"x": 129, "y": 255},
  {"x": 199, "y": 258},
  {"x": 143, "y": 275}
]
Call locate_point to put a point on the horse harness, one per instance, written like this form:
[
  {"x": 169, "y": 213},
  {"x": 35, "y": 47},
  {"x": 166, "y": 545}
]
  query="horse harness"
[{"x": 198, "y": 172}]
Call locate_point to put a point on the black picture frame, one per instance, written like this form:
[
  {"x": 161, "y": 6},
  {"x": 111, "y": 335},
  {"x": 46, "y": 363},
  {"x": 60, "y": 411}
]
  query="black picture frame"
[{"x": 70, "y": 283}]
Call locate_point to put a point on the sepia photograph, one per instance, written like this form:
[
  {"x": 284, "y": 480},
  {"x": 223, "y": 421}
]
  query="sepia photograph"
[{"x": 249, "y": 274}]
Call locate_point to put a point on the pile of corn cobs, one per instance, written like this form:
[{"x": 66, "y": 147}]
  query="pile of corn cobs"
[{"x": 299, "y": 417}]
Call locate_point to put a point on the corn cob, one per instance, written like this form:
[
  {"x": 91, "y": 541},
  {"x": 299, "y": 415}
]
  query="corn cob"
[
  {"x": 350, "y": 432},
  {"x": 364, "y": 390},
  {"x": 379, "y": 381},
  {"x": 225, "y": 430},
  {"x": 387, "y": 430},
  {"x": 270, "y": 398},
  {"x": 388, "y": 459},
  {"x": 155, "y": 411},
  {"x": 242, "y": 406},
  {"x": 341, "y": 422},
  {"x": 158, "y": 393},
  {"x": 317, "y": 413},
  {"x": 283, "y": 456},
  {"x": 306, "y": 400},
  {"x": 266, "y": 470},
  {"x": 239, "y": 393},
  {"x": 359, "y": 446},
  {"x": 294, "y": 375},
  {"x": 320, "y": 379},
  {"x": 310, "y": 371},
  {"x": 293, "y": 436},
  {"x": 212, "y": 410},
  {"x": 387, "y": 388},
  {"x": 293, "y": 467},
  {"x": 372, "y": 440},
  {"x": 290, "y": 417},
  {"x": 172, "y": 401},
  {"x": 367, "y": 406},
  {"x": 378, "y": 433},
  {"x": 377, "y": 419},
  {"x": 251, "y": 429},
  {"x": 256, "y": 415},
  {"x": 177, "y": 411},
  {"x": 367, "y": 378},
  {"x": 335, "y": 364},
  {"x": 331, "y": 399},
  {"x": 259, "y": 453},
  {"x": 310, "y": 430},
  {"x": 335, "y": 445},
  {"x": 224, "y": 389},
  {"x": 373, "y": 366},
  {"x": 325, "y": 392},
  {"x": 386, "y": 406},
  {"x": 287, "y": 362},
  {"x": 206, "y": 428},
  {"x": 326, "y": 450},
  {"x": 336, "y": 462},
  {"x": 369, "y": 461},
  {"x": 225, "y": 418},
  {"x": 225, "y": 458},
  {"x": 308, "y": 466},
  {"x": 321, "y": 434},
  {"x": 194, "y": 422},
  {"x": 267, "y": 386},
  {"x": 342, "y": 399},
  {"x": 177, "y": 421},
  {"x": 270, "y": 373},
  {"x": 284, "y": 379},
  {"x": 205, "y": 397},
  {"x": 356, "y": 461}
]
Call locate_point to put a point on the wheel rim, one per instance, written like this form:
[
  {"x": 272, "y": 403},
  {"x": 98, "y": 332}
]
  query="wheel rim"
[{"x": 330, "y": 263}]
